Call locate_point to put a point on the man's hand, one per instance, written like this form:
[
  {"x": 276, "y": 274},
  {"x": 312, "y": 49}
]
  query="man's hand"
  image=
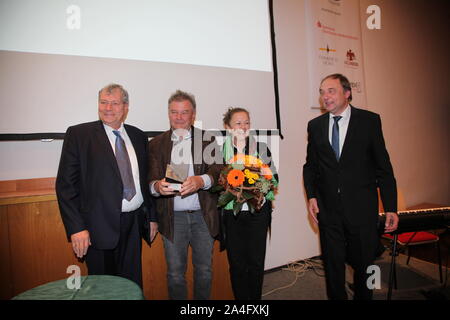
[
  {"x": 153, "y": 230},
  {"x": 80, "y": 243},
  {"x": 313, "y": 209},
  {"x": 191, "y": 185},
  {"x": 163, "y": 188},
  {"x": 391, "y": 222}
]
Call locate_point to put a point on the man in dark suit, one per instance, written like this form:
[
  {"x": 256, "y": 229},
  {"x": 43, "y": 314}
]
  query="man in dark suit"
[
  {"x": 346, "y": 161},
  {"x": 188, "y": 216},
  {"x": 102, "y": 189}
]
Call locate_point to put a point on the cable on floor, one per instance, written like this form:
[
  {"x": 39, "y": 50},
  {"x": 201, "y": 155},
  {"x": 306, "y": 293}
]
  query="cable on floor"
[{"x": 300, "y": 268}]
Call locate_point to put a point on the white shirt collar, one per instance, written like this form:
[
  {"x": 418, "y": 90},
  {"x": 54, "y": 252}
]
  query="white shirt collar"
[
  {"x": 345, "y": 114},
  {"x": 111, "y": 129},
  {"x": 176, "y": 137}
]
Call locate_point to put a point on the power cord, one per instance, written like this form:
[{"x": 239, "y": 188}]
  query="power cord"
[{"x": 300, "y": 268}]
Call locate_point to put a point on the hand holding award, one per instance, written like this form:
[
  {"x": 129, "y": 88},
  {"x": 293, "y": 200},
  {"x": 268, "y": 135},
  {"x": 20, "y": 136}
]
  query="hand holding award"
[{"x": 176, "y": 174}]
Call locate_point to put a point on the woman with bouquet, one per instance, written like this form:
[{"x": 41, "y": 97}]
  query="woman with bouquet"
[{"x": 247, "y": 186}]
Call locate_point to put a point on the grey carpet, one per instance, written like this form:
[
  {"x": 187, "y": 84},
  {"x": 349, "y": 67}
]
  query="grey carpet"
[{"x": 417, "y": 281}]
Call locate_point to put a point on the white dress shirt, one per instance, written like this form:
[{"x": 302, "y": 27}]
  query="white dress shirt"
[
  {"x": 138, "y": 199},
  {"x": 190, "y": 202},
  {"x": 343, "y": 126}
]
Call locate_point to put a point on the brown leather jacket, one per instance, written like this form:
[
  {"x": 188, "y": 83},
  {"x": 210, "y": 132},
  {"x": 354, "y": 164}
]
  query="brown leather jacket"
[{"x": 160, "y": 149}]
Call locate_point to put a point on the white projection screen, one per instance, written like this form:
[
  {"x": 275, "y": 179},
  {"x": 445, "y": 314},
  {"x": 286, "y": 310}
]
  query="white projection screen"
[{"x": 55, "y": 55}]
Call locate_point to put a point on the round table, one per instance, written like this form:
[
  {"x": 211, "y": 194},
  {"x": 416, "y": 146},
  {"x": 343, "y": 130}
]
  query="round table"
[{"x": 94, "y": 287}]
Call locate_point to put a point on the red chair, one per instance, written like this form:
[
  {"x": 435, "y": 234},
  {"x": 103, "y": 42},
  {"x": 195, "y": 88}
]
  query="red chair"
[{"x": 409, "y": 239}]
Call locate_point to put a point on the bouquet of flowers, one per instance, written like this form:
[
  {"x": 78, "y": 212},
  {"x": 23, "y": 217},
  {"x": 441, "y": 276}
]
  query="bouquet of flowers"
[{"x": 246, "y": 179}]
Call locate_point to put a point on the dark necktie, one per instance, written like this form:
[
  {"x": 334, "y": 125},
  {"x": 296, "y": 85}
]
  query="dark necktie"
[
  {"x": 335, "y": 136},
  {"x": 123, "y": 161}
]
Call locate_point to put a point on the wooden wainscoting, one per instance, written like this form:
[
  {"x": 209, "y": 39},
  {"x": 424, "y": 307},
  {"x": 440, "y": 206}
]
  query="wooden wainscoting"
[{"x": 34, "y": 249}]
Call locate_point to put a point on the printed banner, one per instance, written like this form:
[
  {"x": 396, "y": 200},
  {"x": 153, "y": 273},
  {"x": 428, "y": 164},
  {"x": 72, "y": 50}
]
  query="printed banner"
[{"x": 334, "y": 46}]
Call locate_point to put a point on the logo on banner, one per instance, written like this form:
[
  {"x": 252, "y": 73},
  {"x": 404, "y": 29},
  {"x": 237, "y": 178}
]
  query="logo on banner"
[
  {"x": 324, "y": 27},
  {"x": 351, "y": 59},
  {"x": 327, "y": 49},
  {"x": 356, "y": 86},
  {"x": 332, "y": 31},
  {"x": 335, "y": 2},
  {"x": 336, "y": 6},
  {"x": 328, "y": 59}
]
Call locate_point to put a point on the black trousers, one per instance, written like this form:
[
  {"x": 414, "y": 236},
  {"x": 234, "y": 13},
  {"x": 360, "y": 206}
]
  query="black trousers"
[
  {"x": 125, "y": 259},
  {"x": 245, "y": 241},
  {"x": 344, "y": 243}
]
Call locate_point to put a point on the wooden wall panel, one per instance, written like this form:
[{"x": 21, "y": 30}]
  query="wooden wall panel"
[
  {"x": 34, "y": 249},
  {"x": 8, "y": 186},
  {"x": 27, "y": 187},
  {"x": 39, "y": 252},
  {"x": 221, "y": 276},
  {"x": 6, "y": 286},
  {"x": 154, "y": 270}
]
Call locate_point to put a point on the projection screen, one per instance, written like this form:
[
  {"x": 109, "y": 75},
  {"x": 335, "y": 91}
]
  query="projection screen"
[{"x": 55, "y": 55}]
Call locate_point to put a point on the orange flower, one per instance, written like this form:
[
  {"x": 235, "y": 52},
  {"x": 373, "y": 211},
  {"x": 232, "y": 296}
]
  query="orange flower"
[
  {"x": 266, "y": 172},
  {"x": 235, "y": 177}
]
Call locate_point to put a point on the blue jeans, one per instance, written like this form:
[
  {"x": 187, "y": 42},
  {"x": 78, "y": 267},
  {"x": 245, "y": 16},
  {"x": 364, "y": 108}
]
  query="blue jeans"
[{"x": 189, "y": 229}]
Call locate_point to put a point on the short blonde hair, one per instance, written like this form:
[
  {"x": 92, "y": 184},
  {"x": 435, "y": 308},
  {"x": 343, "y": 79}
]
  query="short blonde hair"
[{"x": 113, "y": 86}]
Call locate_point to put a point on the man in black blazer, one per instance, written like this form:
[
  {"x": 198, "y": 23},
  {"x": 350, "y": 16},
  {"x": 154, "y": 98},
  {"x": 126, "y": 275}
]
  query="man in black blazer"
[
  {"x": 102, "y": 189},
  {"x": 346, "y": 161}
]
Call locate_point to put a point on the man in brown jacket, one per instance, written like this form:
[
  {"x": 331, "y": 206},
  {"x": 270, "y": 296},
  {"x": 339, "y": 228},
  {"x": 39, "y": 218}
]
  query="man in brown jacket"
[{"x": 188, "y": 216}]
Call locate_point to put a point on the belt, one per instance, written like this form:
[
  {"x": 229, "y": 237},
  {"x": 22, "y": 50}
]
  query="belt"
[
  {"x": 189, "y": 211},
  {"x": 242, "y": 211}
]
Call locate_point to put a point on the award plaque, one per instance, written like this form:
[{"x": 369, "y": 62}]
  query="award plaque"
[{"x": 176, "y": 174}]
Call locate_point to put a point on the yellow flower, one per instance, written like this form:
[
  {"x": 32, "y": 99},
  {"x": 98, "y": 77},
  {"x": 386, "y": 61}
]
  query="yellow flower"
[{"x": 250, "y": 175}]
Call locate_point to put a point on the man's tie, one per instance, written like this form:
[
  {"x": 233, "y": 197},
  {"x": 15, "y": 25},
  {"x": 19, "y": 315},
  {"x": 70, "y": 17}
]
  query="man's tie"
[
  {"x": 123, "y": 161},
  {"x": 335, "y": 136}
]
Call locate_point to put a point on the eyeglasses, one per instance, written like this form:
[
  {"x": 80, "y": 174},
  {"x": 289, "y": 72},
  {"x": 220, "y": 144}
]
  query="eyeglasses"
[{"x": 112, "y": 103}]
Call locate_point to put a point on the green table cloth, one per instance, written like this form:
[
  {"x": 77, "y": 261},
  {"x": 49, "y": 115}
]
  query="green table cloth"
[{"x": 95, "y": 287}]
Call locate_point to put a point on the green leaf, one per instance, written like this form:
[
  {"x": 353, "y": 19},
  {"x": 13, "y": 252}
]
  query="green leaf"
[
  {"x": 216, "y": 188},
  {"x": 225, "y": 198},
  {"x": 225, "y": 171},
  {"x": 264, "y": 185},
  {"x": 238, "y": 166},
  {"x": 247, "y": 195},
  {"x": 237, "y": 207},
  {"x": 270, "y": 196},
  {"x": 274, "y": 182}
]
